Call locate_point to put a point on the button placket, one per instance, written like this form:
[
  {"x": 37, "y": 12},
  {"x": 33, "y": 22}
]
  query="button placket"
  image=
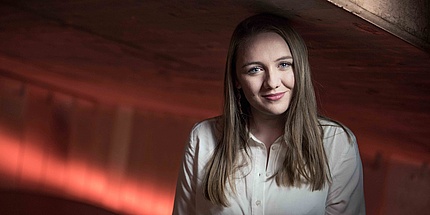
[
  {"x": 271, "y": 161},
  {"x": 258, "y": 186}
]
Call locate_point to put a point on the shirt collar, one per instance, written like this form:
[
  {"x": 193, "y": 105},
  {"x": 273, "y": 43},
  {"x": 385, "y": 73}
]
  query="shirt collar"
[{"x": 256, "y": 140}]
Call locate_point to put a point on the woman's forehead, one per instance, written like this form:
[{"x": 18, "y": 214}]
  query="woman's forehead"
[{"x": 263, "y": 42}]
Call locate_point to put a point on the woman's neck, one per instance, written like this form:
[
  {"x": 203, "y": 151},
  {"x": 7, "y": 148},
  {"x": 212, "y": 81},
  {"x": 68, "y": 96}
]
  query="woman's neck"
[{"x": 267, "y": 129}]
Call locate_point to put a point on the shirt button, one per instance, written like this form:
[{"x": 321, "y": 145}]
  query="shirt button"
[
  {"x": 274, "y": 147},
  {"x": 259, "y": 174},
  {"x": 258, "y": 202}
]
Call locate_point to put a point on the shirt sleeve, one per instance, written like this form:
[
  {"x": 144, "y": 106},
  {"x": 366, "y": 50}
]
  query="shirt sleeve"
[
  {"x": 346, "y": 195},
  {"x": 186, "y": 185}
]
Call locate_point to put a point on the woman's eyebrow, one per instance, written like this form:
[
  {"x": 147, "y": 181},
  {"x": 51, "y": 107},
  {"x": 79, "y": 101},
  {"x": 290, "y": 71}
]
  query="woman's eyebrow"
[
  {"x": 251, "y": 63},
  {"x": 284, "y": 58}
]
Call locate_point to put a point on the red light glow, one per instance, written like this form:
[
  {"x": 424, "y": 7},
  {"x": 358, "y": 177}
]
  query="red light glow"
[{"x": 80, "y": 180}]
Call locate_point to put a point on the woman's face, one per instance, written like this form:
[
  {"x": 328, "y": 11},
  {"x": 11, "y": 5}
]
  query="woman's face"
[{"x": 265, "y": 74}]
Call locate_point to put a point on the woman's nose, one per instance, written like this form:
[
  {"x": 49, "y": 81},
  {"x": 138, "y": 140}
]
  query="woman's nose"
[{"x": 272, "y": 79}]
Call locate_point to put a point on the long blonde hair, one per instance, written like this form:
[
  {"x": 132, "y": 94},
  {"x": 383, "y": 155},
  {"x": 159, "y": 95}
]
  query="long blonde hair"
[{"x": 305, "y": 161}]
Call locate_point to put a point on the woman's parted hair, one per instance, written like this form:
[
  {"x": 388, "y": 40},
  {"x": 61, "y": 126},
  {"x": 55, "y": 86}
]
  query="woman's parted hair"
[{"x": 305, "y": 161}]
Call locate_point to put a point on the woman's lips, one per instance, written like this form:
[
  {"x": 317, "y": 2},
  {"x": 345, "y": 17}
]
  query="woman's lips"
[{"x": 274, "y": 96}]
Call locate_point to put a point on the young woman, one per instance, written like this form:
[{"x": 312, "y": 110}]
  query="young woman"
[{"x": 270, "y": 152}]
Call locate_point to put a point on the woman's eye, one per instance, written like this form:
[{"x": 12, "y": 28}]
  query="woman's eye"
[
  {"x": 284, "y": 65},
  {"x": 254, "y": 70}
]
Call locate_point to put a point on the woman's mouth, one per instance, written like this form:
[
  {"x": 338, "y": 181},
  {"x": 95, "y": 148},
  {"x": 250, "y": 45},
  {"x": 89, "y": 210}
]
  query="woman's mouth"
[{"x": 274, "y": 96}]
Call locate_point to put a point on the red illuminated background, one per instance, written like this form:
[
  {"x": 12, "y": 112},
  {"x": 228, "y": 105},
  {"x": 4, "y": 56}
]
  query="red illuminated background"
[{"x": 97, "y": 97}]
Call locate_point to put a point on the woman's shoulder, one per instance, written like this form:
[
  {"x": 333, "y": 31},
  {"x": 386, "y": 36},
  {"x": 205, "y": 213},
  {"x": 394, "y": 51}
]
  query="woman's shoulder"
[
  {"x": 206, "y": 125},
  {"x": 209, "y": 122},
  {"x": 338, "y": 139},
  {"x": 205, "y": 133},
  {"x": 333, "y": 128}
]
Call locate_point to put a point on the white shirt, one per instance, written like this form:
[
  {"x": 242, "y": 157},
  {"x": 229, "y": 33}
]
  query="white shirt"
[{"x": 257, "y": 193}]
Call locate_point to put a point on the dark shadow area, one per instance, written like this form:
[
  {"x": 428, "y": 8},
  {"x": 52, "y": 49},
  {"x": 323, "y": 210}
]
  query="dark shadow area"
[{"x": 13, "y": 202}]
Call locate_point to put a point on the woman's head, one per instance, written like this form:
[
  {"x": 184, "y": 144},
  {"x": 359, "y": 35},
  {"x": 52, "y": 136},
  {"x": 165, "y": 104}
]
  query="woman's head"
[
  {"x": 305, "y": 157},
  {"x": 244, "y": 34},
  {"x": 265, "y": 75}
]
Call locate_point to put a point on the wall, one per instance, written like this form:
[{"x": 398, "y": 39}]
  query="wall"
[{"x": 63, "y": 145}]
